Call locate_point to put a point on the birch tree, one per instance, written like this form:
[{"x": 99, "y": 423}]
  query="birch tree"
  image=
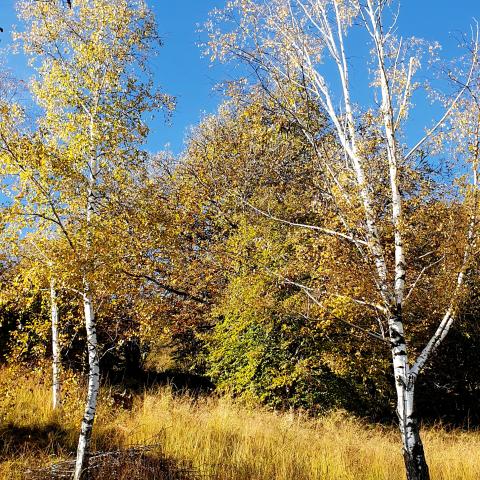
[
  {"x": 34, "y": 278},
  {"x": 93, "y": 86},
  {"x": 56, "y": 357},
  {"x": 41, "y": 264},
  {"x": 307, "y": 44},
  {"x": 15, "y": 147}
]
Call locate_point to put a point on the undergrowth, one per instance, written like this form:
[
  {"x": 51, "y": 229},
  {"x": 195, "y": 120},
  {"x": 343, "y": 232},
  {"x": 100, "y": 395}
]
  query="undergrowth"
[{"x": 214, "y": 438}]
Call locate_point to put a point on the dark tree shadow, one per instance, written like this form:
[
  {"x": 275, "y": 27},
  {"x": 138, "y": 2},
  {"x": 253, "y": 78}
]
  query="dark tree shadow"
[
  {"x": 180, "y": 382},
  {"x": 146, "y": 380},
  {"x": 124, "y": 368},
  {"x": 51, "y": 438}
]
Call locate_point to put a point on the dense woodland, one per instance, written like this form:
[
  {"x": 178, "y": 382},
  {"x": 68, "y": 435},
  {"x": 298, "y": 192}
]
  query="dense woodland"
[{"x": 284, "y": 257}]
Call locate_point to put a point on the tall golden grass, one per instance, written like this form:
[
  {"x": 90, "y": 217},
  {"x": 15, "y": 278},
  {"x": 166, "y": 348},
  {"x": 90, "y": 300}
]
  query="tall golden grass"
[{"x": 220, "y": 438}]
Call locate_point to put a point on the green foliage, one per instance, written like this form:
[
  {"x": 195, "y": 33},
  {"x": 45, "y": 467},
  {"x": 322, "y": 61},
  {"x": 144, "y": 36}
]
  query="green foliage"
[{"x": 265, "y": 348}]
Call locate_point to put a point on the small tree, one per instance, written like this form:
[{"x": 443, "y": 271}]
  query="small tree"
[{"x": 94, "y": 89}]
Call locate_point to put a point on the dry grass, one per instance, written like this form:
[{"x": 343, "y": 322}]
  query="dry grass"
[{"x": 222, "y": 439}]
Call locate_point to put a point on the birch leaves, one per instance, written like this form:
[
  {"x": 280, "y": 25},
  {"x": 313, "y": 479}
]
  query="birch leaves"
[{"x": 94, "y": 89}]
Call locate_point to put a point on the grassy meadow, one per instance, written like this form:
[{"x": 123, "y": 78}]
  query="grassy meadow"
[{"x": 216, "y": 438}]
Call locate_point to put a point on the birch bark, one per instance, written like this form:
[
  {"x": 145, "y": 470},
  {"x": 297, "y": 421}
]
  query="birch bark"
[
  {"x": 81, "y": 465},
  {"x": 56, "y": 357},
  {"x": 413, "y": 452}
]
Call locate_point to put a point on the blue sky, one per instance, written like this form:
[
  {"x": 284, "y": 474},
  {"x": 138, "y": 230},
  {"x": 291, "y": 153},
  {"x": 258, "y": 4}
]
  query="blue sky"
[{"x": 181, "y": 70}]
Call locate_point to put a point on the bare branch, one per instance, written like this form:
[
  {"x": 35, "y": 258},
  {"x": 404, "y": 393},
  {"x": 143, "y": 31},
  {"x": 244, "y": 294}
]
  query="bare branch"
[
  {"x": 449, "y": 110},
  {"x": 326, "y": 231}
]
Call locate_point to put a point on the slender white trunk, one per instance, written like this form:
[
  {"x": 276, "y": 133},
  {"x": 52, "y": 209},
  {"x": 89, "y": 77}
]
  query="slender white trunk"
[
  {"x": 413, "y": 453},
  {"x": 56, "y": 358},
  {"x": 86, "y": 430},
  {"x": 93, "y": 388}
]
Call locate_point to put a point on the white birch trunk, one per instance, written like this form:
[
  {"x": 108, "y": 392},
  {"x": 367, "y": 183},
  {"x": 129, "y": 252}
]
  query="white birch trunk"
[
  {"x": 413, "y": 453},
  {"x": 86, "y": 430},
  {"x": 93, "y": 387},
  {"x": 56, "y": 358}
]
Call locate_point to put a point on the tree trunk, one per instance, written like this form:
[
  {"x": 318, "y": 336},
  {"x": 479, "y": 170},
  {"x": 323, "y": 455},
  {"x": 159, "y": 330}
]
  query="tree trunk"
[
  {"x": 83, "y": 449},
  {"x": 93, "y": 387},
  {"x": 56, "y": 359},
  {"x": 413, "y": 454}
]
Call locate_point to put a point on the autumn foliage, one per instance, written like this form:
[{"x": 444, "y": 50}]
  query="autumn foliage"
[{"x": 288, "y": 257}]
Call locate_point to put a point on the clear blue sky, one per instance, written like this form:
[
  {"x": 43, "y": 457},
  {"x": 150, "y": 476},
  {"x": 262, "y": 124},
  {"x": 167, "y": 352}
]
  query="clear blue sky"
[
  {"x": 182, "y": 72},
  {"x": 179, "y": 68}
]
